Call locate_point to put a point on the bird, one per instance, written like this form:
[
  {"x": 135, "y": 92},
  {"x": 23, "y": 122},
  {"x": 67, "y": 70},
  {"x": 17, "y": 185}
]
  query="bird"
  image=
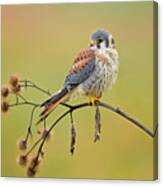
[{"x": 94, "y": 70}]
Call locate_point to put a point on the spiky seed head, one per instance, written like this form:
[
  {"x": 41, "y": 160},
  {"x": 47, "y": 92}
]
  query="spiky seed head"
[
  {"x": 30, "y": 172},
  {"x": 14, "y": 80},
  {"x": 33, "y": 166},
  {"x": 22, "y": 144},
  {"x": 4, "y": 106},
  {"x": 22, "y": 160},
  {"x": 16, "y": 89},
  {"x": 5, "y": 91}
]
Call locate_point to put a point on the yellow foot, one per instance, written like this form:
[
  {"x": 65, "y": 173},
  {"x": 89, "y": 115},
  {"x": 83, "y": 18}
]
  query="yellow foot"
[{"x": 93, "y": 100}]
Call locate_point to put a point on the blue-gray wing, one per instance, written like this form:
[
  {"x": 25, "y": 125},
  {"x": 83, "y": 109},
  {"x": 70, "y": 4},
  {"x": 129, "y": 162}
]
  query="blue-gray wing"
[{"x": 83, "y": 67}]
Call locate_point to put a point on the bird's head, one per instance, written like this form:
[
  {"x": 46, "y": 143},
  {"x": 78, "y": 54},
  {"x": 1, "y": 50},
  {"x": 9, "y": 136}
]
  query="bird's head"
[{"x": 102, "y": 39}]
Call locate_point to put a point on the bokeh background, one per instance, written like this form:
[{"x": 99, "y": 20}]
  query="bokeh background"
[{"x": 39, "y": 43}]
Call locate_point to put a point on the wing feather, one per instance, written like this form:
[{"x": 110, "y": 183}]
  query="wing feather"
[{"x": 84, "y": 65}]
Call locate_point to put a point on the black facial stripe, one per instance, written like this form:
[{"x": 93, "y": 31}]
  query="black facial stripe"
[
  {"x": 113, "y": 41},
  {"x": 98, "y": 45},
  {"x": 99, "y": 40},
  {"x": 107, "y": 43}
]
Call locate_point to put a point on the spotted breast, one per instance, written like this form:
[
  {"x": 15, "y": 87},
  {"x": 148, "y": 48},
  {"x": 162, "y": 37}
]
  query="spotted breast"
[{"x": 104, "y": 75}]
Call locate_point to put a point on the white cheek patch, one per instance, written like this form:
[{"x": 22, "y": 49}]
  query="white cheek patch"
[{"x": 103, "y": 45}]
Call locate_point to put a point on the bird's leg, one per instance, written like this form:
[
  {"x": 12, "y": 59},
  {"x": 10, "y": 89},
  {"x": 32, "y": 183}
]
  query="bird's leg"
[{"x": 93, "y": 100}]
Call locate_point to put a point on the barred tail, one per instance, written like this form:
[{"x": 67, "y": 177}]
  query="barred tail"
[{"x": 51, "y": 103}]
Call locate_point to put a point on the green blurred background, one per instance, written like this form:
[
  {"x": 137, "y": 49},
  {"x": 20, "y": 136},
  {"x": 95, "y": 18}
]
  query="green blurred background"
[{"x": 39, "y": 43}]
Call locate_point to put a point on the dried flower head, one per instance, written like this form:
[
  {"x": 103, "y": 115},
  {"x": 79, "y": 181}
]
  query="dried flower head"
[
  {"x": 14, "y": 80},
  {"x": 5, "y": 91},
  {"x": 30, "y": 172},
  {"x": 33, "y": 166},
  {"x": 22, "y": 160},
  {"x": 4, "y": 106},
  {"x": 16, "y": 89},
  {"x": 22, "y": 144}
]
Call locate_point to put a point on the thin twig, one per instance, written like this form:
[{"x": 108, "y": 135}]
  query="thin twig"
[
  {"x": 22, "y": 97},
  {"x": 33, "y": 146},
  {"x": 45, "y": 123},
  {"x": 28, "y": 83},
  {"x": 29, "y": 131},
  {"x": 129, "y": 118},
  {"x": 24, "y": 103},
  {"x": 48, "y": 132}
]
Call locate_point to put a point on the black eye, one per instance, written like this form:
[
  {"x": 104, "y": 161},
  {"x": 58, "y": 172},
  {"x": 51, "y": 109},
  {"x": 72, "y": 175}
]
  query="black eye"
[{"x": 100, "y": 40}]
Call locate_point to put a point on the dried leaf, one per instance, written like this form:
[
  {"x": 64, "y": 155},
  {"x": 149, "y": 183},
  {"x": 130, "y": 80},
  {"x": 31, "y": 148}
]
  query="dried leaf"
[
  {"x": 97, "y": 125},
  {"x": 73, "y": 139}
]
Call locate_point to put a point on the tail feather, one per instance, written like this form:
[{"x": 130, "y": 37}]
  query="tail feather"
[
  {"x": 51, "y": 104},
  {"x": 55, "y": 97}
]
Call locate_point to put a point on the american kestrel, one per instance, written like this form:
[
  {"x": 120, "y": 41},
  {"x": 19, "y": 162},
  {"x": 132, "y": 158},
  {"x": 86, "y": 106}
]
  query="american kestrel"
[{"x": 94, "y": 70}]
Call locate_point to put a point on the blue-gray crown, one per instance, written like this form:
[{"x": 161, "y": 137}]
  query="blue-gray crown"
[{"x": 100, "y": 34}]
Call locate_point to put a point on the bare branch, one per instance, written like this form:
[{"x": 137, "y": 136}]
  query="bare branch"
[
  {"x": 21, "y": 100},
  {"x": 129, "y": 118},
  {"x": 98, "y": 103}
]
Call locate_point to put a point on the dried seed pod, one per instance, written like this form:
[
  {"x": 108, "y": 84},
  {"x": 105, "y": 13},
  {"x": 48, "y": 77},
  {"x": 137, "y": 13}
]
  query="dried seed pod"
[
  {"x": 73, "y": 139},
  {"x": 22, "y": 145},
  {"x": 31, "y": 172},
  {"x": 14, "y": 80},
  {"x": 16, "y": 89},
  {"x": 97, "y": 124},
  {"x": 22, "y": 160},
  {"x": 33, "y": 166},
  {"x": 4, "y": 106},
  {"x": 97, "y": 137},
  {"x": 5, "y": 91}
]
